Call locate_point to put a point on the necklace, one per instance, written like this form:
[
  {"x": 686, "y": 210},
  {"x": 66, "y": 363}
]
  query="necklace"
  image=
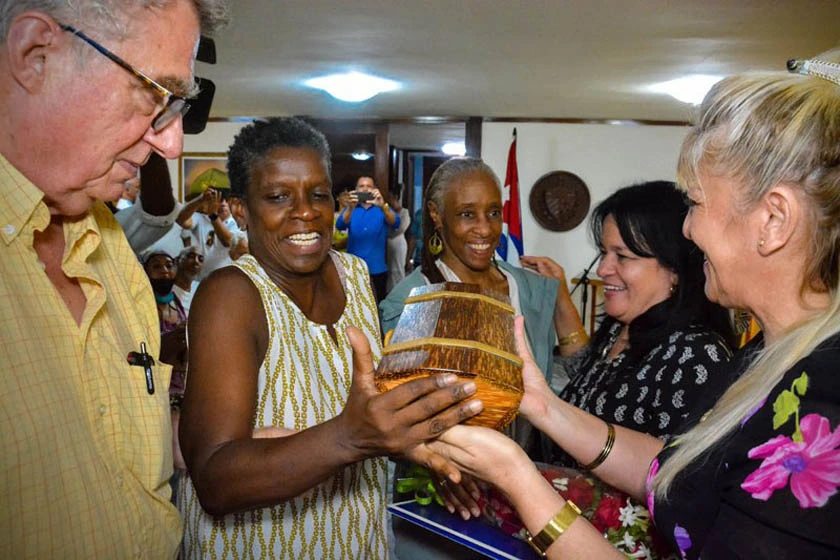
[{"x": 614, "y": 338}]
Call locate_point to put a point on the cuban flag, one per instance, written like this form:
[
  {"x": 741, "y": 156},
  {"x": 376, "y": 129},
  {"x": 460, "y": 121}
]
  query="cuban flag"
[{"x": 510, "y": 246}]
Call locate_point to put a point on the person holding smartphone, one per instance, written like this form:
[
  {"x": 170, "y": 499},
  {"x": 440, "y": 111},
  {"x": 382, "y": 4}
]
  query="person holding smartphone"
[{"x": 368, "y": 219}]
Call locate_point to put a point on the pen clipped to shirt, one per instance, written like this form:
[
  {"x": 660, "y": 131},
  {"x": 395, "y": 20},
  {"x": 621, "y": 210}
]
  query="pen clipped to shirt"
[{"x": 144, "y": 359}]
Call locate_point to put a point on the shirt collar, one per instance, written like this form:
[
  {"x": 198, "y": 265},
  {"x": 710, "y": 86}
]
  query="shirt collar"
[
  {"x": 22, "y": 205},
  {"x": 19, "y": 202}
]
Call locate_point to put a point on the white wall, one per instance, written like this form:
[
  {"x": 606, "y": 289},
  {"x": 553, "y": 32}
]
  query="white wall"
[{"x": 605, "y": 156}]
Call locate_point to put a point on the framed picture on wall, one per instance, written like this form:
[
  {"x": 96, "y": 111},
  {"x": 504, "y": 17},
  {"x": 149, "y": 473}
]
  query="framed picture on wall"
[{"x": 197, "y": 171}]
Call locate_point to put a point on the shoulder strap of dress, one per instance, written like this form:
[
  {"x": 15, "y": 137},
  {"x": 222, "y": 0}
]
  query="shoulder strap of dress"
[{"x": 339, "y": 267}]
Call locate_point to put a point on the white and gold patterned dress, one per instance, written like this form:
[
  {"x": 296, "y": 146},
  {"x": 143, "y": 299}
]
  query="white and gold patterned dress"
[{"x": 304, "y": 381}]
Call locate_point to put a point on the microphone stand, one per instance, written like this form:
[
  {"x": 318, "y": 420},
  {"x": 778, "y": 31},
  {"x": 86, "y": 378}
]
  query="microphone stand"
[{"x": 584, "y": 281}]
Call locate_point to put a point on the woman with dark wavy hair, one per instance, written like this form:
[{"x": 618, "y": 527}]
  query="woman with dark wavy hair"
[{"x": 661, "y": 342}]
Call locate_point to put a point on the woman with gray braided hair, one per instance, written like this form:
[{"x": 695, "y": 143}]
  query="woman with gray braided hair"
[
  {"x": 462, "y": 226},
  {"x": 754, "y": 473}
]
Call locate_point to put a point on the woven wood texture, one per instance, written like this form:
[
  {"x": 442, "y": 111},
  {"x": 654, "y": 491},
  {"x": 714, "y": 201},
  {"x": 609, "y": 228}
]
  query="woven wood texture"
[{"x": 461, "y": 329}]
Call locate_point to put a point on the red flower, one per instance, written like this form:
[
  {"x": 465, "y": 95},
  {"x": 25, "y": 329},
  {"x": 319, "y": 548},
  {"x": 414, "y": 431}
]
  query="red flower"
[
  {"x": 607, "y": 514},
  {"x": 580, "y": 492},
  {"x": 550, "y": 473}
]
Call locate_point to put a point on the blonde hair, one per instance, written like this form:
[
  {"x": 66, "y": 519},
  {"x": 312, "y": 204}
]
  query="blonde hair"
[{"x": 762, "y": 130}]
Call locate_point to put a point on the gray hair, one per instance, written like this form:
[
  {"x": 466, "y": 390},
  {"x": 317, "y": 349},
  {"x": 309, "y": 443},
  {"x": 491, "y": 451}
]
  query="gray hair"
[
  {"x": 450, "y": 171},
  {"x": 109, "y": 17},
  {"x": 439, "y": 184},
  {"x": 763, "y": 130},
  {"x": 198, "y": 249}
]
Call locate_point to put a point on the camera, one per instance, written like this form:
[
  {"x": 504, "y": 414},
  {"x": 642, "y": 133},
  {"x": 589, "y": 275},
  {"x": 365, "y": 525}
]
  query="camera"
[{"x": 364, "y": 196}]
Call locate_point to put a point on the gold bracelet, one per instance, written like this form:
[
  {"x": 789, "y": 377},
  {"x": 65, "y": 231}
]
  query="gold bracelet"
[
  {"x": 605, "y": 451},
  {"x": 574, "y": 338},
  {"x": 555, "y": 527}
]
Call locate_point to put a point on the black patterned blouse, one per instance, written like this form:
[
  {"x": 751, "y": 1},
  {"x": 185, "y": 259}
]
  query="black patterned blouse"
[{"x": 653, "y": 394}]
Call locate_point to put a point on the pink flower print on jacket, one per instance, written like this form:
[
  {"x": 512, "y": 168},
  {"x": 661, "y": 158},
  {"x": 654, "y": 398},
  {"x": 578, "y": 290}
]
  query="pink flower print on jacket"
[{"x": 812, "y": 465}]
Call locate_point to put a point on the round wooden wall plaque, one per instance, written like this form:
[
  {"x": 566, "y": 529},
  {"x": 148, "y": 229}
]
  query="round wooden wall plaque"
[{"x": 559, "y": 201}]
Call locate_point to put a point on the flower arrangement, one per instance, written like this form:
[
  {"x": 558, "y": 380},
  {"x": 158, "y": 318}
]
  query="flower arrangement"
[{"x": 621, "y": 520}]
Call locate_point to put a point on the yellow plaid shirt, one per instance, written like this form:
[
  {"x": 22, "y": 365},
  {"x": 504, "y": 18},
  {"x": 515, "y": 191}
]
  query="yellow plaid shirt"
[{"x": 85, "y": 451}]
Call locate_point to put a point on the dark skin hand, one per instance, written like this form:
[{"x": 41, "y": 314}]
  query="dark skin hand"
[
  {"x": 462, "y": 496},
  {"x": 233, "y": 468}
]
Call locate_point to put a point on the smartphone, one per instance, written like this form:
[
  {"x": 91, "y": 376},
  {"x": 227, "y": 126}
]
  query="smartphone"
[{"x": 364, "y": 196}]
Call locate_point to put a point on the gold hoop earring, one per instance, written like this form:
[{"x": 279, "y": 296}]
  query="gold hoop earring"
[{"x": 435, "y": 244}]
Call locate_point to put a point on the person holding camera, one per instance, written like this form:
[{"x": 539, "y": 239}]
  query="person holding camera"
[
  {"x": 209, "y": 229},
  {"x": 368, "y": 220}
]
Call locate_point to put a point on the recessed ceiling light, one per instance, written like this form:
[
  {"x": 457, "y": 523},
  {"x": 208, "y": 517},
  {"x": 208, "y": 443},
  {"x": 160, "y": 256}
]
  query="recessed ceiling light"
[
  {"x": 361, "y": 156},
  {"x": 690, "y": 89},
  {"x": 353, "y": 86},
  {"x": 454, "y": 149}
]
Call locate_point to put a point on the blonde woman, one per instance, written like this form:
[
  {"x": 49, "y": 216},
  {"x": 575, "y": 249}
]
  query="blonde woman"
[{"x": 755, "y": 473}]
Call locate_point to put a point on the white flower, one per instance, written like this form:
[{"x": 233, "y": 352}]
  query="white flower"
[
  {"x": 633, "y": 515},
  {"x": 560, "y": 484},
  {"x": 643, "y": 552},
  {"x": 628, "y": 542}
]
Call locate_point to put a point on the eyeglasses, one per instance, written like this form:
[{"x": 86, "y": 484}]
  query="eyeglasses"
[{"x": 172, "y": 105}]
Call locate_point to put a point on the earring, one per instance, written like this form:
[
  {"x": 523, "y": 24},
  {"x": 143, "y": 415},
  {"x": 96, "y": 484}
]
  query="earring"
[
  {"x": 673, "y": 288},
  {"x": 435, "y": 244},
  {"x": 761, "y": 243}
]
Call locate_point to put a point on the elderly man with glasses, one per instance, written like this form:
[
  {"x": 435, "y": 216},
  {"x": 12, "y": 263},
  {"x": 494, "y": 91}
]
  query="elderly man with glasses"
[{"x": 88, "y": 91}]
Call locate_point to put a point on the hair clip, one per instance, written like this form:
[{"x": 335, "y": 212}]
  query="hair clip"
[{"x": 820, "y": 68}]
